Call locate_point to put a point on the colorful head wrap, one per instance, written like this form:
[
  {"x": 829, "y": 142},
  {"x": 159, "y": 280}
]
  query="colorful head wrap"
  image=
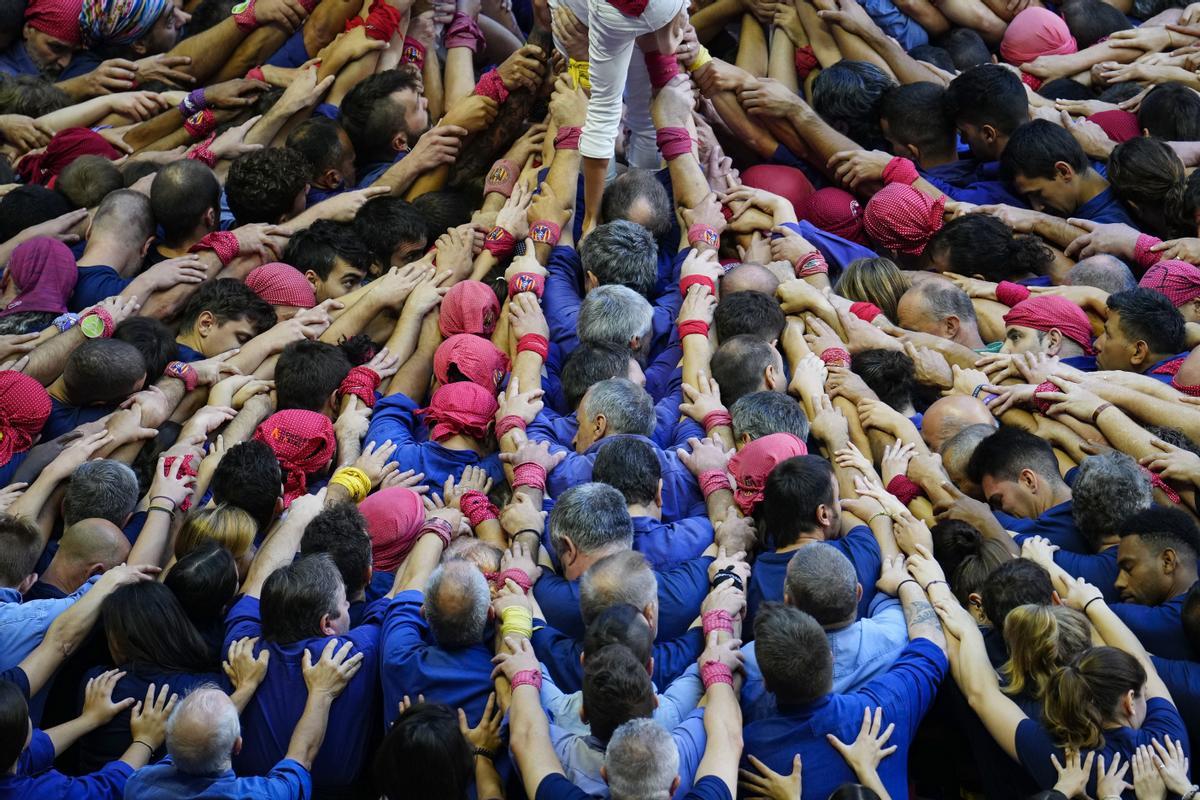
[
  {"x": 460, "y": 408},
  {"x": 44, "y": 272},
  {"x": 1036, "y": 32},
  {"x": 24, "y": 409},
  {"x": 1044, "y": 312},
  {"x": 1179, "y": 281},
  {"x": 480, "y": 361},
  {"x": 754, "y": 462},
  {"x": 469, "y": 307},
  {"x": 281, "y": 285},
  {"x": 303, "y": 441},
  {"x": 903, "y": 219},
  {"x": 834, "y": 211},
  {"x": 118, "y": 23},
  {"x": 67, "y": 145},
  {"x": 394, "y": 517},
  {"x": 57, "y": 18}
]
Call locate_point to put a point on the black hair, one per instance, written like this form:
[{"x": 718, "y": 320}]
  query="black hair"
[
  {"x": 1120, "y": 92},
  {"x": 749, "y": 313},
  {"x": 1066, "y": 89},
  {"x": 988, "y": 94},
  {"x": 180, "y": 195},
  {"x": 295, "y": 598},
  {"x": 847, "y": 95},
  {"x": 738, "y": 366},
  {"x": 979, "y": 244},
  {"x": 916, "y": 114},
  {"x": 383, "y": 224},
  {"x": 589, "y": 364},
  {"x": 1171, "y": 112},
  {"x": 1016, "y": 582},
  {"x": 204, "y": 581},
  {"x": 20, "y": 547},
  {"x": 1149, "y": 316},
  {"x": 317, "y": 140},
  {"x": 1163, "y": 527},
  {"x": 631, "y": 466},
  {"x": 424, "y": 756},
  {"x": 616, "y": 689},
  {"x": 793, "y": 654},
  {"x": 1008, "y": 451},
  {"x": 227, "y": 299},
  {"x": 262, "y": 186},
  {"x": 443, "y": 210},
  {"x": 208, "y": 14},
  {"x": 632, "y": 186},
  {"x": 308, "y": 372},
  {"x": 932, "y": 54},
  {"x": 793, "y": 492},
  {"x": 318, "y": 246},
  {"x": 1091, "y": 20},
  {"x": 250, "y": 478},
  {"x": 341, "y": 531},
  {"x": 620, "y": 624},
  {"x": 890, "y": 374},
  {"x": 152, "y": 338},
  {"x": 966, "y": 48},
  {"x": 29, "y": 205},
  {"x": 147, "y": 628},
  {"x": 853, "y": 791},
  {"x": 1036, "y": 147},
  {"x": 372, "y": 119},
  {"x": 14, "y": 723},
  {"x": 102, "y": 371}
]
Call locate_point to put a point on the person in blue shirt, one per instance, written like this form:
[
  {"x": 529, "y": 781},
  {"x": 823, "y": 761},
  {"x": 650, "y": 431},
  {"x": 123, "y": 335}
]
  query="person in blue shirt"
[
  {"x": 30, "y": 752},
  {"x": 222, "y": 315},
  {"x": 378, "y": 146},
  {"x": 333, "y": 257},
  {"x": 821, "y": 582},
  {"x": 1019, "y": 478},
  {"x": 204, "y": 732},
  {"x": 329, "y": 152},
  {"x": 1157, "y": 562},
  {"x": 987, "y": 104},
  {"x": 1143, "y": 333},
  {"x": 98, "y": 375},
  {"x": 745, "y": 364}
]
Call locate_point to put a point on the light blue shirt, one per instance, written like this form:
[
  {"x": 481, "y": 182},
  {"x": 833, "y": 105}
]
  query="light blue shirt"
[
  {"x": 861, "y": 651},
  {"x": 24, "y": 625},
  {"x": 679, "y": 700}
]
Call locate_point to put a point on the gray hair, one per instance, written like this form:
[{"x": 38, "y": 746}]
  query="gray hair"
[
  {"x": 945, "y": 300},
  {"x": 627, "y": 190},
  {"x": 457, "y": 599},
  {"x": 1105, "y": 272},
  {"x": 103, "y": 488},
  {"x": 621, "y": 253},
  {"x": 621, "y": 578},
  {"x": 202, "y": 731},
  {"x": 641, "y": 761},
  {"x": 615, "y": 315},
  {"x": 627, "y": 407},
  {"x": 1108, "y": 489},
  {"x": 763, "y": 413},
  {"x": 593, "y": 516},
  {"x": 821, "y": 582}
]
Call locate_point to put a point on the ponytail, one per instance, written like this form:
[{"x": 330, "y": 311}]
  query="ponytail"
[
  {"x": 1082, "y": 697},
  {"x": 1040, "y": 640}
]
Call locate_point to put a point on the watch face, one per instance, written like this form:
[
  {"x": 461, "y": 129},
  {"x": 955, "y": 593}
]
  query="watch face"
[{"x": 92, "y": 326}]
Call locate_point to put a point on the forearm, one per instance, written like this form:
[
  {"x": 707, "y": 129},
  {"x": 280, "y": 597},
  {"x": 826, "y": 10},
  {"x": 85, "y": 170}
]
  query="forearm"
[
  {"x": 310, "y": 729},
  {"x": 65, "y": 735},
  {"x": 412, "y": 378},
  {"x": 277, "y": 551},
  {"x": 919, "y": 616},
  {"x": 351, "y": 75},
  {"x": 210, "y": 50},
  {"x": 1055, "y": 230},
  {"x": 156, "y": 542},
  {"x": 460, "y": 75},
  {"x": 421, "y": 562},
  {"x": 250, "y": 52},
  {"x": 781, "y": 61},
  {"x": 709, "y": 21},
  {"x": 79, "y": 115}
]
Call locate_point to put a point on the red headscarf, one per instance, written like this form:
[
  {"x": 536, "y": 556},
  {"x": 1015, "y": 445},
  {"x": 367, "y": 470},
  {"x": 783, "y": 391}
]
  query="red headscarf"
[
  {"x": 24, "y": 408},
  {"x": 281, "y": 285},
  {"x": 1118, "y": 125},
  {"x": 394, "y": 516},
  {"x": 1043, "y": 312},
  {"x": 1036, "y": 32},
  {"x": 754, "y": 462},
  {"x": 469, "y": 307},
  {"x": 461, "y": 407},
  {"x": 476, "y": 358},
  {"x": 785, "y": 181},
  {"x": 57, "y": 18},
  {"x": 303, "y": 441},
  {"x": 836, "y": 211},
  {"x": 44, "y": 272},
  {"x": 66, "y": 146},
  {"x": 1179, "y": 281},
  {"x": 903, "y": 219}
]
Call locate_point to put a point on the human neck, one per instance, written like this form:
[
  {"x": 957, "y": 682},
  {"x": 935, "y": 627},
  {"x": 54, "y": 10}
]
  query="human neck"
[
  {"x": 58, "y": 390},
  {"x": 56, "y": 575},
  {"x": 648, "y": 510},
  {"x": 190, "y": 339},
  {"x": 1058, "y": 495},
  {"x": 102, "y": 251},
  {"x": 804, "y": 538},
  {"x": 1184, "y": 579},
  {"x": 1090, "y": 184},
  {"x": 931, "y": 160}
]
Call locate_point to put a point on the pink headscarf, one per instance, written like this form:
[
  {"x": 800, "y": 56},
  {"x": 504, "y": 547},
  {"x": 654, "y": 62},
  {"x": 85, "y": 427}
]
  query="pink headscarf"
[
  {"x": 469, "y": 307},
  {"x": 787, "y": 182},
  {"x": 462, "y": 407},
  {"x": 1118, "y": 125},
  {"x": 394, "y": 517},
  {"x": 303, "y": 442},
  {"x": 57, "y": 18},
  {"x": 281, "y": 285},
  {"x": 1036, "y": 32},
  {"x": 67, "y": 145},
  {"x": 1179, "y": 281},
  {"x": 1043, "y": 312},
  {"x": 903, "y": 219},
  {"x": 24, "y": 409},
  {"x": 480, "y": 361},
  {"x": 44, "y": 272},
  {"x": 835, "y": 211},
  {"x": 754, "y": 462}
]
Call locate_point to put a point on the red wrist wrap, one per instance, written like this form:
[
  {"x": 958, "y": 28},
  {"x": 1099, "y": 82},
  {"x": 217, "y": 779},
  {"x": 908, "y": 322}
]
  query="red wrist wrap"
[
  {"x": 713, "y": 480},
  {"x": 491, "y": 86},
  {"x": 534, "y": 343},
  {"x": 836, "y": 357},
  {"x": 361, "y": 382},
  {"x": 509, "y": 423},
  {"x": 693, "y": 326},
  {"x": 500, "y": 243},
  {"x": 529, "y": 474},
  {"x": 690, "y": 280},
  {"x": 526, "y": 282},
  {"x": 477, "y": 508},
  {"x": 715, "y": 672},
  {"x": 716, "y": 620},
  {"x": 900, "y": 170},
  {"x": 673, "y": 142},
  {"x": 567, "y": 138},
  {"x": 717, "y": 419},
  {"x": 905, "y": 489}
]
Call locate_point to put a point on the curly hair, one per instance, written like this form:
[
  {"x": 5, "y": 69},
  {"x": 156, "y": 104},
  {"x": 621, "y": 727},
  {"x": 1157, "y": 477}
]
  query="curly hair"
[{"x": 262, "y": 186}]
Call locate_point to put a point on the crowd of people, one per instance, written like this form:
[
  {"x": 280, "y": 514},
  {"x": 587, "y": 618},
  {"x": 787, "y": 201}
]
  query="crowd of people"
[{"x": 448, "y": 399}]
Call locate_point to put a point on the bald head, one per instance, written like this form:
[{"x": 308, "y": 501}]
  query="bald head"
[
  {"x": 949, "y": 415},
  {"x": 749, "y": 278},
  {"x": 203, "y": 732},
  {"x": 956, "y": 454},
  {"x": 89, "y": 547},
  {"x": 1104, "y": 272}
]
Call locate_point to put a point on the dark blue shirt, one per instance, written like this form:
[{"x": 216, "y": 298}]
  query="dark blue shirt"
[
  {"x": 50, "y": 784},
  {"x": 1056, "y": 524},
  {"x": 1183, "y": 681},
  {"x": 1098, "y": 569},
  {"x": 64, "y": 418},
  {"x": 838, "y": 252},
  {"x": 185, "y": 353},
  {"x": 557, "y": 787},
  {"x": 271, "y": 716},
  {"x": 905, "y": 692},
  {"x": 666, "y": 544},
  {"x": 770, "y": 570},
  {"x": 16, "y": 61},
  {"x": 1162, "y": 372},
  {"x": 1104, "y": 208},
  {"x": 95, "y": 284},
  {"x": 1160, "y": 628},
  {"x": 963, "y": 180},
  {"x": 560, "y": 655}
]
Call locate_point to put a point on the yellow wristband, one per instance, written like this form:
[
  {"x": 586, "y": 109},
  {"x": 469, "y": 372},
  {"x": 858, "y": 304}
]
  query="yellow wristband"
[
  {"x": 354, "y": 481},
  {"x": 580, "y": 72},
  {"x": 517, "y": 621},
  {"x": 702, "y": 58}
]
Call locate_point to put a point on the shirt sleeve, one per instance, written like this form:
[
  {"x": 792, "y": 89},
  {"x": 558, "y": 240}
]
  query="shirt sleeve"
[
  {"x": 290, "y": 781},
  {"x": 680, "y": 698},
  {"x": 393, "y": 418},
  {"x": 863, "y": 551},
  {"x": 559, "y": 601},
  {"x": 911, "y": 683},
  {"x": 242, "y": 620},
  {"x": 681, "y": 591},
  {"x": 671, "y": 659},
  {"x": 690, "y": 740},
  {"x": 38, "y": 757},
  {"x": 557, "y": 787},
  {"x": 559, "y": 653},
  {"x": 564, "y": 295}
]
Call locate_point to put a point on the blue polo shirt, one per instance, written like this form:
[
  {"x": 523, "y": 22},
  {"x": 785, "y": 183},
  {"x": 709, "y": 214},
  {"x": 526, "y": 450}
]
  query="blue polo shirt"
[
  {"x": 1081, "y": 363},
  {"x": 557, "y": 787},
  {"x": 770, "y": 570},
  {"x": 1035, "y": 745},
  {"x": 36, "y": 780},
  {"x": 905, "y": 692},
  {"x": 1099, "y": 569},
  {"x": 1056, "y": 524},
  {"x": 559, "y": 653},
  {"x": 965, "y": 181},
  {"x": 1160, "y": 628},
  {"x": 185, "y": 353},
  {"x": 414, "y": 664},
  {"x": 838, "y": 252},
  {"x": 681, "y": 590},
  {"x": 271, "y": 716},
  {"x": 289, "y": 780},
  {"x": 64, "y": 418},
  {"x": 1164, "y": 370},
  {"x": 670, "y": 431},
  {"x": 1183, "y": 681},
  {"x": 668, "y": 544},
  {"x": 95, "y": 284},
  {"x": 394, "y": 418},
  {"x": 1104, "y": 208}
]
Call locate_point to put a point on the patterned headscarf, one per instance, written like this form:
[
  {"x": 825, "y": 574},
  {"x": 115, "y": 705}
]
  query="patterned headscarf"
[
  {"x": 303, "y": 441},
  {"x": 281, "y": 285},
  {"x": 1043, "y": 312},
  {"x": 461, "y": 407},
  {"x": 118, "y": 23},
  {"x": 1179, "y": 281},
  {"x": 754, "y": 462},
  {"x": 903, "y": 219},
  {"x": 57, "y": 18},
  {"x": 479, "y": 361},
  {"x": 394, "y": 517},
  {"x": 24, "y": 409}
]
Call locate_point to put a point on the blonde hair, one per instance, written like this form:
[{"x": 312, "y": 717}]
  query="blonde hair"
[
  {"x": 229, "y": 526},
  {"x": 1041, "y": 640},
  {"x": 874, "y": 280}
]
